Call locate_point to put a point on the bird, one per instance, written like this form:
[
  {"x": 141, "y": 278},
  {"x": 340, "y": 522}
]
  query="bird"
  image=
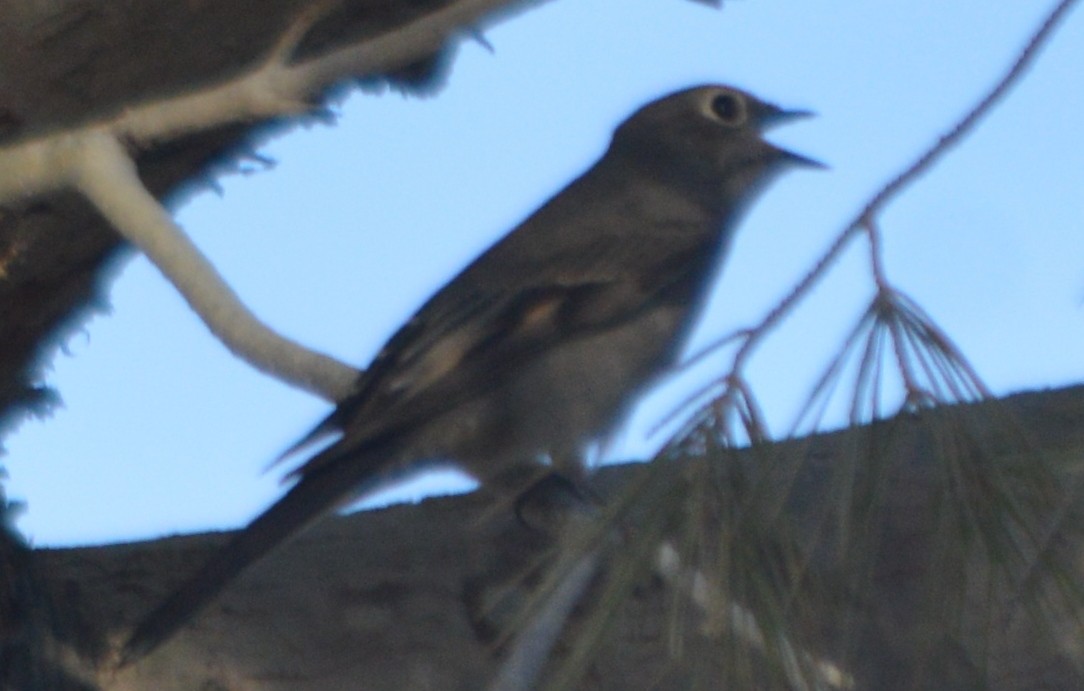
[{"x": 541, "y": 345}]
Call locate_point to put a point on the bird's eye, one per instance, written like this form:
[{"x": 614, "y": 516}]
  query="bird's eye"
[{"x": 728, "y": 108}]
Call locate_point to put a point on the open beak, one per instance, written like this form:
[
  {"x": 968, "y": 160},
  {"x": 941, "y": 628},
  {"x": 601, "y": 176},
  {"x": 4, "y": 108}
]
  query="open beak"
[
  {"x": 771, "y": 116},
  {"x": 798, "y": 159}
]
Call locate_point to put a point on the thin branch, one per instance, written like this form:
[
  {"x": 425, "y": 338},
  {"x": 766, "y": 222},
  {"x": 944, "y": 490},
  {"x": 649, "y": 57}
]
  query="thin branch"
[
  {"x": 962, "y": 128},
  {"x": 108, "y": 178},
  {"x": 893, "y": 188}
]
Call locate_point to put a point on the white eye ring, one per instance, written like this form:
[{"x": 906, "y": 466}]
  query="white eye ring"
[{"x": 728, "y": 108}]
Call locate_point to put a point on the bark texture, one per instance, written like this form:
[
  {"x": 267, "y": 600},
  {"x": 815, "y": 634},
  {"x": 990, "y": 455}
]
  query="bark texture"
[{"x": 406, "y": 597}]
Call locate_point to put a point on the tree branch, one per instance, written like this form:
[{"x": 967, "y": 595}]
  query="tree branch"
[
  {"x": 91, "y": 160},
  {"x": 108, "y": 178}
]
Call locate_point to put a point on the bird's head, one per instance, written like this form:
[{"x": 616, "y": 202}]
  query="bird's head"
[{"x": 708, "y": 140}]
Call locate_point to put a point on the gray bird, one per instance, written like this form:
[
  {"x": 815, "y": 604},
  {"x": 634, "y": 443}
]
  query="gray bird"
[{"x": 542, "y": 344}]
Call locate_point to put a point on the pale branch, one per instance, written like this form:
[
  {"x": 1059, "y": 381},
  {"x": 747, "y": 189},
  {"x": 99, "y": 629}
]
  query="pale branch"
[
  {"x": 108, "y": 178},
  {"x": 271, "y": 88},
  {"x": 68, "y": 160},
  {"x": 398, "y": 47},
  {"x": 532, "y": 646}
]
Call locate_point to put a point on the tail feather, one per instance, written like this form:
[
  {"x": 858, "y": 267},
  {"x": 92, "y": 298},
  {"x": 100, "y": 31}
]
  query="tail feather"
[{"x": 310, "y": 497}]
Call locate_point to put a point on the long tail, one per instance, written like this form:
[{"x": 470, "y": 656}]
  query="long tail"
[{"x": 311, "y": 496}]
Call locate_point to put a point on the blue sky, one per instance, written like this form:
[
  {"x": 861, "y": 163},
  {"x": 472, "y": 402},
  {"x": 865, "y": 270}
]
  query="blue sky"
[{"x": 163, "y": 431}]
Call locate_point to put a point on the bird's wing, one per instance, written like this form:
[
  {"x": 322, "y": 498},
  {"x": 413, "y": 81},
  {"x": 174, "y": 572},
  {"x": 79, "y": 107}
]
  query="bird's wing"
[{"x": 450, "y": 353}]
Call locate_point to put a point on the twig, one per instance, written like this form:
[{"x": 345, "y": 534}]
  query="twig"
[{"x": 888, "y": 192}]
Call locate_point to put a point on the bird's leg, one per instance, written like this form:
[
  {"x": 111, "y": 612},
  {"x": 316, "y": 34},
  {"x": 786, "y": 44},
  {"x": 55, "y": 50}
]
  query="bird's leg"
[{"x": 547, "y": 502}]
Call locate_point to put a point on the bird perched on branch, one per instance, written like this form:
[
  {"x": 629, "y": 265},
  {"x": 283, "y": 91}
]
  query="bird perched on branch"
[{"x": 542, "y": 343}]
